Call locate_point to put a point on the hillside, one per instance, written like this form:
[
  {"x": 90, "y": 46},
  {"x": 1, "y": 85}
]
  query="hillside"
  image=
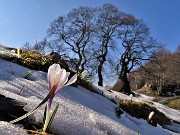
[{"x": 81, "y": 111}]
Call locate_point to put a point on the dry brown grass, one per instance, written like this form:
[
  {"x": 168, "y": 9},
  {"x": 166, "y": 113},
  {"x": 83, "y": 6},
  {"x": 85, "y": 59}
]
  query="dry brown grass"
[{"x": 173, "y": 103}]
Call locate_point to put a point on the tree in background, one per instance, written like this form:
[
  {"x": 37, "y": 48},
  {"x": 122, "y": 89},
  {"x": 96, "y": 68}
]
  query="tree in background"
[
  {"x": 178, "y": 48},
  {"x": 164, "y": 69},
  {"x": 158, "y": 68},
  {"x": 41, "y": 46},
  {"x": 89, "y": 33},
  {"x": 89, "y": 37},
  {"x": 137, "y": 48},
  {"x": 108, "y": 20},
  {"x": 27, "y": 46},
  {"x": 162, "y": 72},
  {"x": 74, "y": 31},
  {"x": 100, "y": 40},
  {"x": 176, "y": 65}
]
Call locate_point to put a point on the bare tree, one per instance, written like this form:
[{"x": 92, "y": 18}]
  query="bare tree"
[
  {"x": 158, "y": 68},
  {"x": 41, "y": 46},
  {"x": 137, "y": 46},
  {"x": 175, "y": 68},
  {"x": 163, "y": 71},
  {"x": 90, "y": 35},
  {"x": 178, "y": 48},
  {"x": 108, "y": 20},
  {"x": 27, "y": 46},
  {"x": 74, "y": 31}
]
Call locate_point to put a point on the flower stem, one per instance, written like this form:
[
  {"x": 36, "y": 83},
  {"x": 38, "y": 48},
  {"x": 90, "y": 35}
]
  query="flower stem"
[{"x": 48, "y": 113}]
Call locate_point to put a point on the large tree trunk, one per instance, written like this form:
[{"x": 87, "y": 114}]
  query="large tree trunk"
[
  {"x": 102, "y": 59},
  {"x": 125, "y": 84},
  {"x": 100, "y": 81},
  {"x": 125, "y": 87}
]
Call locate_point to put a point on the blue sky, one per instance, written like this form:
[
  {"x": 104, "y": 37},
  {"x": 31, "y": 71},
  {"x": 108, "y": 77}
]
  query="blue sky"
[{"x": 28, "y": 20}]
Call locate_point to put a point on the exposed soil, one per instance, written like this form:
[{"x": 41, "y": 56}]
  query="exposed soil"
[{"x": 11, "y": 109}]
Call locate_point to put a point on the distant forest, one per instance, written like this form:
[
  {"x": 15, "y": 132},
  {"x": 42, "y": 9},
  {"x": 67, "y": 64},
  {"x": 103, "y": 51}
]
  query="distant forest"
[{"x": 161, "y": 73}]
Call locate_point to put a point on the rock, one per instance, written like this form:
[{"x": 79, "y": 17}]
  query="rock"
[
  {"x": 118, "y": 111},
  {"x": 56, "y": 58},
  {"x": 142, "y": 110},
  {"x": 11, "y": 109}
]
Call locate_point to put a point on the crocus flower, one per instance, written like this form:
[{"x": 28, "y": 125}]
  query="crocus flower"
[{"x": 57, "y": 78}]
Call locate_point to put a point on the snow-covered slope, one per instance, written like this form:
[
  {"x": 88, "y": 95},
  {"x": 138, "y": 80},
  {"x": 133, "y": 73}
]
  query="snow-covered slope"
[
  {"x": 81, "y": 112},
  {"x": 7, "y": 50}
]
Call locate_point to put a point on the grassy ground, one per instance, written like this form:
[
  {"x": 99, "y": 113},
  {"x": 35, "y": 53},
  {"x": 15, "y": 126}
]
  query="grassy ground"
[{"x": 172, "y": 102}]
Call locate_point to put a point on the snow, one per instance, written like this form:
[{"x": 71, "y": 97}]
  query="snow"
[
  {"x": 5, "y": 51},
  {"x": 81, "y": 112},
  {"x": 10, "y": 129},
  {"x": 173, "y": 114}
]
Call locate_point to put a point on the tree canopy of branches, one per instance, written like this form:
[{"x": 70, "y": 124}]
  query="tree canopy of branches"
[
  {"x": 90, "y": 35},
  {"x": 108, "y": 20},
  {"x": 138, "y": 47},
  {"x": 74, "y": 33}
]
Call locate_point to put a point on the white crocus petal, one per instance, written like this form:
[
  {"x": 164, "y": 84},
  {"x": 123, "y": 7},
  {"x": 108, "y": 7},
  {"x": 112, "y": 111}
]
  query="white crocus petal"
[
  {"x": 57, "y": 76},
  {"x": 66, "y": 78},
  {"x": 72, "y": 80},
  {"x": 61, "y": 84},
  {"x": 50, "y": 73},
  {"x": 62, "y": 79},
  {"x": 53, "y": 69}
]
